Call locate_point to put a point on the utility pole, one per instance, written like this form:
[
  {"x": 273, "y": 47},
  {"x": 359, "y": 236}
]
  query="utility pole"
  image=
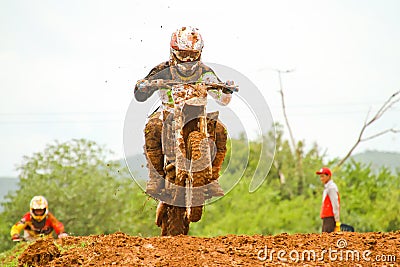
[{"x": 284, "y": 105}]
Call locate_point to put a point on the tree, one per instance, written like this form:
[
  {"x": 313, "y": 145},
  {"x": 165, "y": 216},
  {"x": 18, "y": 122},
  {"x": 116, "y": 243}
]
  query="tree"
[
  {"x": 369, "y": 199},
  {"x": 297, "y": 147},
  {"x": 89, "y": 194}
]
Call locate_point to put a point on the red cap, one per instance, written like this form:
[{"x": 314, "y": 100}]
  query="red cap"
[{"x": 324, "y": 170}]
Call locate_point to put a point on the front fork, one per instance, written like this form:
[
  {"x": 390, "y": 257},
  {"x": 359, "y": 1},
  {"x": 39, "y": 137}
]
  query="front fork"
[{"x": 176, "y": 130}]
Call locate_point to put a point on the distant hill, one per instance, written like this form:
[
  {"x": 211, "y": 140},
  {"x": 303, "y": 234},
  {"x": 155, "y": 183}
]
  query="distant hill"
[{"x": 378, "y": 159}]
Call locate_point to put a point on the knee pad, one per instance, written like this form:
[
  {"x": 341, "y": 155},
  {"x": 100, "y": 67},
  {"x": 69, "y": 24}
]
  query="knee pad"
[{"x": 152, "y": 133}]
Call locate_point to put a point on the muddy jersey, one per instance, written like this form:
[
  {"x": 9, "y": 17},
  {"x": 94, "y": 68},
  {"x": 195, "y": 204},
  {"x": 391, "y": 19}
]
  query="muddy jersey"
[
  {"x": 165, "y": 71},
  {"x": 33, "y": 228}
]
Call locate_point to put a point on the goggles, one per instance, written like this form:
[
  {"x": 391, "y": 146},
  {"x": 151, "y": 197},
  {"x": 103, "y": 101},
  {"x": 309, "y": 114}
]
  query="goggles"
[
  {"x": 39, "y": 212},
  {"x": 186, "y": 56}
]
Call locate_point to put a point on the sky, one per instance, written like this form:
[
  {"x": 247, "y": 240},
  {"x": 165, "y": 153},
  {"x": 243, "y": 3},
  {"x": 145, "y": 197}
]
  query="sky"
[{"x": 68, "y": 68}]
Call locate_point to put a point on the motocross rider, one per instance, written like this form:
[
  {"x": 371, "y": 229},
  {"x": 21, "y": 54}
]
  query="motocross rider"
[
  {"x": 184, "y": 65},
  {"x": 37, "y": 222}
]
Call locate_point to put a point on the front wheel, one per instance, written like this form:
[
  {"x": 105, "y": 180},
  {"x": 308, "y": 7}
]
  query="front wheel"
[{"x": 200, "y": 173}]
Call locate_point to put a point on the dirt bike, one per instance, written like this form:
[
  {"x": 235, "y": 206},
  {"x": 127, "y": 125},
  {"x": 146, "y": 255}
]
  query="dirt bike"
[
  {"x": 188, "y": 137},
  {"x": 39, "y": 236},
  {"x": 24, "y": 239},
  {"x": 20, "y": 239},
  {"x": 346, "y": 228}
]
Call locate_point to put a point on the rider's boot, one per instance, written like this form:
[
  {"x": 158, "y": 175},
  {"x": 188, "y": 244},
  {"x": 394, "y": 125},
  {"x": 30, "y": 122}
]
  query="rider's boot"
[
  {"x": 155, "y": 164},
  {"x": 160, "y": 213},
  {"x": 214, "y": 188},
  {"x": 154, "y": 155}
]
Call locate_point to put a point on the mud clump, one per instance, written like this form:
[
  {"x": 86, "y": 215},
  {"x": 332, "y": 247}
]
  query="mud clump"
[
  {"x": 39, "y": 253},
  {"x": 119, "y": 249}
]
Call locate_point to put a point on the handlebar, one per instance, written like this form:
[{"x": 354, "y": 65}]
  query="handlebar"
[{"x": 210, "y": 86}]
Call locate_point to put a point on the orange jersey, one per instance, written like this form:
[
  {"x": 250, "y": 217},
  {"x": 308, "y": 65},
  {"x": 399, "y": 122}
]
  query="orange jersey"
[{"x": 33, "y": 228}]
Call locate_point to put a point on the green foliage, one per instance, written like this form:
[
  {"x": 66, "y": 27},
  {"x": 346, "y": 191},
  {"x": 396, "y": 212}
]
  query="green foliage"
[
  {"x": 369, "y": 200},
  {"x": 91, "y": 195},
  {"x": 87, "y": 193},
  {"x": 262, "y": 212}
]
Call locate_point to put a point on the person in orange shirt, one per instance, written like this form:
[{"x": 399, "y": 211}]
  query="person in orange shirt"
[
  {"x": 37, "y": 222},
  {"x": 330, "y": 209}
]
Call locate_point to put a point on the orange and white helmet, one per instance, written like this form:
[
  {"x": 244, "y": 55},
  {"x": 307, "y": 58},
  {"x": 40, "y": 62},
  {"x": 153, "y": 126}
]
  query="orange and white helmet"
[
  {"x": 186, "y": 44},
  {"x": 39, "y": 203}
]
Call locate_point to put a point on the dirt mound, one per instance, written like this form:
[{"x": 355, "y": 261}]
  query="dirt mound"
[
  {"x": 119, "y": 249},
  {"x": 39, "y": 253}
]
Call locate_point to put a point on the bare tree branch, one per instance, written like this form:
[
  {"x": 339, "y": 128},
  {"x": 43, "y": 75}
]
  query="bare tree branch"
[
  {"x": 392, "y": 100},
  {"x": 385, "y": 107},
  {"x": 297, "y": 150},
  {"x": 388, "y": 104},
  {"x": 380, "y": 133}
]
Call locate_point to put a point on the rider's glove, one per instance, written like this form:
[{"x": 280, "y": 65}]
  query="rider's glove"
[
  {"x": 62, "y": 235},
  {"x": 143, "y": 84},
  {"x": 15, "y": 237},
  {"x": 228, "y": 83},
  {"x": 337, "y": 227},
  {"x": 149, "y": 86}
]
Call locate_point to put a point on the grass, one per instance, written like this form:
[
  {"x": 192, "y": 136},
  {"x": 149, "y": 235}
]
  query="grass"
[{"x": 9, "y": 258}]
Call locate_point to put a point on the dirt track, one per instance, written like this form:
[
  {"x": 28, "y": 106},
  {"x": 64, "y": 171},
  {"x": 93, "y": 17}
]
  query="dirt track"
[{"x": 119, "y": 249}]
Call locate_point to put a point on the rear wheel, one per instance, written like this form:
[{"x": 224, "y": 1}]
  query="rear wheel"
[{"x": 174, "y": 222}]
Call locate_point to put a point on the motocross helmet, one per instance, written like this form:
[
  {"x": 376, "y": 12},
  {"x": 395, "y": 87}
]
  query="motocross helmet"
[
  {"x": 185, "y": 50},
  {"x": 38, "y": 203}
]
